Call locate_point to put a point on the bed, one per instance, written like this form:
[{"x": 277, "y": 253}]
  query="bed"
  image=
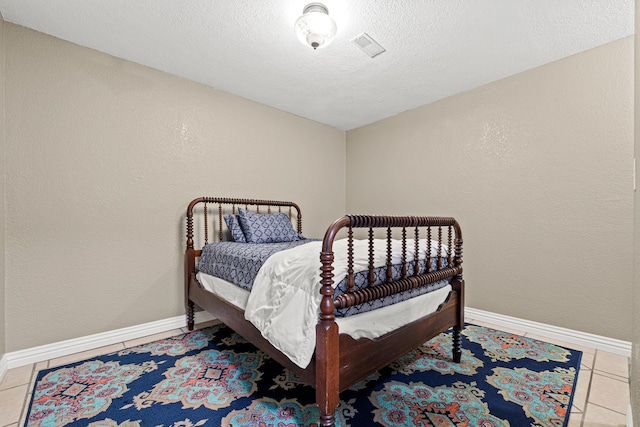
[{"x": 379, "y": 286}]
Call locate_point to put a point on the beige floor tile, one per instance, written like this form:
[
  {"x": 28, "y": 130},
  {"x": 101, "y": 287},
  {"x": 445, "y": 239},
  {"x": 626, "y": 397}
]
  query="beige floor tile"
[
  {"x": 27, "y": 401},
  {"x": 34, "y": 375},
  {"x": 587, "y": 361},
  {"x": 609, "y": 393},
  {"x": 17, "y": 376},
  {"x": 41, "y": 365},
  {"x": 11, "y": 403},
  {"x": 85, "y": 355},
  {"x": 602, "y": 417},
  {"x": 575, "y": 419},
  {"x": 151, "y": 338},
  {"x": 612, "y": 364},
  {"x": 582, "y": 389}
]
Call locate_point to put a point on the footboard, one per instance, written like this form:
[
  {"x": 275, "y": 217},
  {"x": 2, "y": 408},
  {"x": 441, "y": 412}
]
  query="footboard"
[
  {"x": 341, "y": 361},
  {"x": 442, "y": 258}
]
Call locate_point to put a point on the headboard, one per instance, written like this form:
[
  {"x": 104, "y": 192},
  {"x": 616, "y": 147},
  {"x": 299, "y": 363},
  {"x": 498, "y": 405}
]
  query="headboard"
[{"x": 209, "y": 212}]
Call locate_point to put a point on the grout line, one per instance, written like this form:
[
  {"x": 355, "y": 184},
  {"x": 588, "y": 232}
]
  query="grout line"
[
  {"x": 25, "y": 408},
  {"x": 14, "y": 387},
  {"x": 586, "y": 400},
  {"x": 29, "y": 394},
  {"x": 586, "y": 403},
  {"x": 609, "y": 409},
  {"x": 612, "y": 376}
]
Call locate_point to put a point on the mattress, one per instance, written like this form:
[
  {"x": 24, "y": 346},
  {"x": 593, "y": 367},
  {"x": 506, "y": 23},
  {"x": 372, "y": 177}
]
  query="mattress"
[{"x": 371, "y": 324}]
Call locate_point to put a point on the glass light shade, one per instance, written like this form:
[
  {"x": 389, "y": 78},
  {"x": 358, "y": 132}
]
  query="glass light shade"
[{"x": 315, "y": 28}]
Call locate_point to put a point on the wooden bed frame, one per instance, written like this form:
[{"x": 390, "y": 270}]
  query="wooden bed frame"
[{"x": 339, "y": 360}]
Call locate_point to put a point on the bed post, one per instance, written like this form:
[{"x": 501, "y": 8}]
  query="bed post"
[
  {"x": 189, "y": 265},
  {"x": 327, "y": 359},
  {"x": 189, "y": 260},
  {"x": 327, "y": 341},
  {"x": 458, "y": 285}
]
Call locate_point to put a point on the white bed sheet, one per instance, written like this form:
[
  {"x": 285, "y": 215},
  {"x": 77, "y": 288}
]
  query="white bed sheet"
[
  {"x": 224, "y": 289},
  {"x": 371, "y": 324}
]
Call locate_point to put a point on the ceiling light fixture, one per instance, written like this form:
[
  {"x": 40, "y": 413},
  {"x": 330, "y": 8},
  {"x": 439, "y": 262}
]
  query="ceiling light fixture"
[{"x": 315, "y": 28}]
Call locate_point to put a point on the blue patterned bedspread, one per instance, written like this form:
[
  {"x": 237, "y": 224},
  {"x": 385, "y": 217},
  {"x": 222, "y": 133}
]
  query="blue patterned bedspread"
[
  {"x": 361, "y": 281},
  {"x": 239, "y": 263}
]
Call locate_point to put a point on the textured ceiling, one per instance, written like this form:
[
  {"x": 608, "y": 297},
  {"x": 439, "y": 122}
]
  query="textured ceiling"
[{"x": 434, "y": 49}]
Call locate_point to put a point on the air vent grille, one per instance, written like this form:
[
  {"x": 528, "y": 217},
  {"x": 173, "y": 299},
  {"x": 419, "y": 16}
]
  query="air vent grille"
[{"x": 368, "y": 45}]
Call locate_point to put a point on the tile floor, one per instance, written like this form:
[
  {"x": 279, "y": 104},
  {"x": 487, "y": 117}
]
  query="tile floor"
[{"x": 601, "y": 399}]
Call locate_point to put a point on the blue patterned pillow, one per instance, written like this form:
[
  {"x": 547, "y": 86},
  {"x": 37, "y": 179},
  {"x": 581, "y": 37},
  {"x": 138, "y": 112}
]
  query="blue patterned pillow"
[
  {"x": 267, "y": 228},
  {"x": 234, "y": 228}
]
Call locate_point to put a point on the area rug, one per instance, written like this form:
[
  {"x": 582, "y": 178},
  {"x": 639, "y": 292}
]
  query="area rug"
[{"x": 213, "y": 377}]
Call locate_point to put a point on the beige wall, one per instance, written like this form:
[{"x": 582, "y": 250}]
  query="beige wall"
[
  {"x": 634, "y": 376},
  {"x": 2, "y": 202},
  {"x": 102, "y": 158},
  {"x": 538, "y": 170}
]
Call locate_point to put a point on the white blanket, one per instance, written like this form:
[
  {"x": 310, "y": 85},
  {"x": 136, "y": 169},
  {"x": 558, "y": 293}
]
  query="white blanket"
[{"x": 284, "y": 302}]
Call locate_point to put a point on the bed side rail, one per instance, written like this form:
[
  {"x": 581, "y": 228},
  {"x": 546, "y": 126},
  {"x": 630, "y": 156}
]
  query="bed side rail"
[
  {"x": 223, "y": 206},
  {"x": 445, "y": 232}
]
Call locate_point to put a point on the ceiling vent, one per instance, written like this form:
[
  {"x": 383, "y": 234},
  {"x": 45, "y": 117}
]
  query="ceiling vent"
[{"x": 368, "y": 45}]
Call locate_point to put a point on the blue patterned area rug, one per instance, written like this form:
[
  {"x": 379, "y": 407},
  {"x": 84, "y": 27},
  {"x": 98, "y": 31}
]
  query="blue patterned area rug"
[{"x": 213, "y": 377}]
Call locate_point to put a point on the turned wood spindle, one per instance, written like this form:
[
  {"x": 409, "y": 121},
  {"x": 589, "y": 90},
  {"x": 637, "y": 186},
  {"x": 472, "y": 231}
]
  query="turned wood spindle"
[
  {"x": 219, "y": 222},
  {"x": 439, "y": 256},
  {"x": 428, "y": 249},
  {"x": 416, "y": 253},
  {"x": 404, "y": 252},
  {"x": 350, "y": 279},
  {"x": 206, "y": 225},
  {"x": 372, "y": 276},
  {"x": 449, "y": 248},
  {"x": 389, "y": 265},
  {"x": 189, "y": 230}
]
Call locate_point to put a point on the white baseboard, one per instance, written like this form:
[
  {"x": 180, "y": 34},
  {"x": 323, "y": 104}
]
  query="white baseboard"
[
  {"x": 90, "y": 342},
  {"x": 629, "y": 417},
  {"x": 4, "y": 365},
  {"x": 598, "y": 342},
  {"x": 67, "y": 347}
]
